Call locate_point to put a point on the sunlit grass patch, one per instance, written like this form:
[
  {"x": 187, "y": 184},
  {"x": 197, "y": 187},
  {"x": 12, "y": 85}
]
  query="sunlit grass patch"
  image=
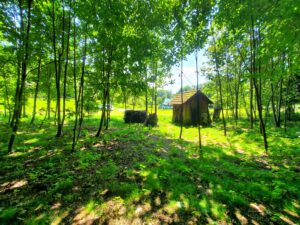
[{"x": 133, "y": 173}]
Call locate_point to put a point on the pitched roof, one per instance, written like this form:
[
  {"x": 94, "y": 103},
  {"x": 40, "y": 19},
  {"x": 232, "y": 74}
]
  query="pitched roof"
[{"x": 186, "y": 96}]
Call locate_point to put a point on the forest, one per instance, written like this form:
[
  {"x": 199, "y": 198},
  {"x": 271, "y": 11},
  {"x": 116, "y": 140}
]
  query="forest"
[{"x": 87, "y": 131}]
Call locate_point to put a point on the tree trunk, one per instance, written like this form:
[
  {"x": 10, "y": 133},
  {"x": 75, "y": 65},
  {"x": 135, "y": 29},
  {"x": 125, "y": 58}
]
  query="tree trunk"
[
  {"x": 103, "y": 113},
  {"x": 75, "y": 88},
  {"x": 49, "y": 93},
  {"x": 251, "y": 84},
  {"x": 58, "y": 66},
  {"x": 66, "y": 70},
  {"x": 155, "y": 89},
  {"x": 16, "y": 105},
  {"x": 6, "y": 99},
  {"x": 278, "y": 123},
  {"x": 104, "y": 97},
  {"x": 108, "y": 103},
  {"x": 259, "y": 106},
  {"x": 19, "y": 92},
  {"x": 80, "y": 97},
  {"x": 237, "y": 90},
  {"x": 256, "y": 87},
  {"x": 24, "y": 104},
  {"x": 198, "y": 105},
  {"x": 105, "y": 93},
  {"x": 36, "y": 91},
  {"x": 251, "y": 103},
  {"x": 286, "y": 103},
  {"x": 181, "y": 95},
  {"x": 146, "y": 92},
  {"x": 273, "y": 105},
  {"x": 220, "y": 86}
]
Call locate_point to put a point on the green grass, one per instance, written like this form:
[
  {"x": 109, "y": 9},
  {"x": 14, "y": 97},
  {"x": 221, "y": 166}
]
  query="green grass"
[{"x": 132, "y": 174}]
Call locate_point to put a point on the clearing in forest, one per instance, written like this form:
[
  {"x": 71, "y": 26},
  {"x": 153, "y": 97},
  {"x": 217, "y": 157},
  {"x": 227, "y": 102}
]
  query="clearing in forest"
[{"x": 133, "y": 175}]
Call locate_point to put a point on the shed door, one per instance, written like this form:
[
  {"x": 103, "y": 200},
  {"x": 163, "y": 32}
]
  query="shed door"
[{"x": 194, "y": 111}]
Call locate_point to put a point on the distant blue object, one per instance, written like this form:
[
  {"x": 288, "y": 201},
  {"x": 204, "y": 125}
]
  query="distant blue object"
[
  {"x": 107, "y": 106},
  {"x": 162, "y": 106},
  {"x": 166, "y": 104}
]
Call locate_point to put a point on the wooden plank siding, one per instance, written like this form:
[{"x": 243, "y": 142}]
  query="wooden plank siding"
[{"x": 190, "y": 108}]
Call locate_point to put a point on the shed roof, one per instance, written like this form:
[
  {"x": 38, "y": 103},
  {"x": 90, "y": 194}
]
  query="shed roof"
[{"x": 186, "y": 96}]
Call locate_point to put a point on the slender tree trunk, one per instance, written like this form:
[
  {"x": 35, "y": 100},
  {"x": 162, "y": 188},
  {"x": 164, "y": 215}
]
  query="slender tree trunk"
[
  {"x": 155, "y": 88},
  {"x": 198, "y": 105},
  {"x": 75, "y": 88},
  {"x": 267, "y": 112},
  {"x": 36, "y": 91},
  {"x": 107, "y": 105},
  {"x": 66, "y": 70},
  {"x": 57, "y": 82},
  {"x": 104, "y": 97},
  {"x": 105, "y": 93},
  {"x": 259, "y": 106},
  {"x": 19, "y": 92},
  {"x": 81, "y": 97},
  {"x": 49, "y": 93},
  {"x": 6, "y": 99},
  {"x": 146, "y": 92},
  {"x": 24, "y": 103},
  {"x": 286, "y": 103},
  {"x": 220, "y": 86},
  {"x": 152, "y": 99},
  {"x": 221, "y": 100},
  {"x": 278, "y": 123},
  {"x": 245, "y": 104},
  {"x": 251, "y": 84},
  {"x": 256, "y": 87},
  {"x": 16, "y": 105},
  {"x": 103, "y": 113},
  {"x": 227, "y": 92},
  {"x": 181, "y": 95},
  {"x": 251, "y": 103},
  {"x": 57, "y": 70},
  {"x": 237, "y": 91},
  {"x": 273, "y": 105}
]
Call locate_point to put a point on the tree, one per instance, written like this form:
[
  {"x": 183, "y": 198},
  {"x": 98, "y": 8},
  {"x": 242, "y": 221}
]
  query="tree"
[{"x": 24, "y": 55}]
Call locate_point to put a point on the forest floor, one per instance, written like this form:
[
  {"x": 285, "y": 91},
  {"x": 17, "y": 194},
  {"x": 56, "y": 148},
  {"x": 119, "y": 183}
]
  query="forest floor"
[{"x": 136, "y": 175}]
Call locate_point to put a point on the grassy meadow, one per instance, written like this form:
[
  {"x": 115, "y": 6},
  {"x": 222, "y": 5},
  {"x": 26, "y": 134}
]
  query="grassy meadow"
[{"x": 138, "y": 175}]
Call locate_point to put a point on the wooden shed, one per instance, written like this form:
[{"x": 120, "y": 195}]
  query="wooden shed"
[{"x": 190, "y": 108}]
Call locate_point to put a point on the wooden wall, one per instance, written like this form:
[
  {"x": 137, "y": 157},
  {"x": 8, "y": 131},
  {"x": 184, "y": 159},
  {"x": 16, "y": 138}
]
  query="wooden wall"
[{"x": 190, "y": 112}]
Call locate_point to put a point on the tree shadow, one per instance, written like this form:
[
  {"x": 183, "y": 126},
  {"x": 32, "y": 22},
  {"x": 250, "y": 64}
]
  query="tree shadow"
[{"x": 133, "y": 176}]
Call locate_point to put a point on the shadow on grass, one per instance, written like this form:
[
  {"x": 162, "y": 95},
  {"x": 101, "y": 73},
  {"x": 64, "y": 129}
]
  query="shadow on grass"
[{"x": 133, "y": 176}]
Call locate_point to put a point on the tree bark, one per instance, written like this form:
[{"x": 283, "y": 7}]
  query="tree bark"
[
  {"x": 49, "y": 93},
  {"x": 36, "y": 91},
  {"x": 6, "y": 98},
  {"x": 256, "y": 87},
  {"x": 286, "y": 103},
  {"x": 75, "y": 88},
  {"x": 146, "y": 92},
  {"x": 66, "y": 70},
  {"x": 19, "y": 92},
  {"x": 198, "y": 105},
  {"x": 155, "y": 88},
  {"x": 58, "y": 65},
  {"x": 105, "y": 93},
  {"x": 237, "y": 91},
  {"x": 220, "y": 86},
  {"x": 81, "y": 97},
  {"x": 181, "y": 96},
  {"x": 259, "y": 106}
]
